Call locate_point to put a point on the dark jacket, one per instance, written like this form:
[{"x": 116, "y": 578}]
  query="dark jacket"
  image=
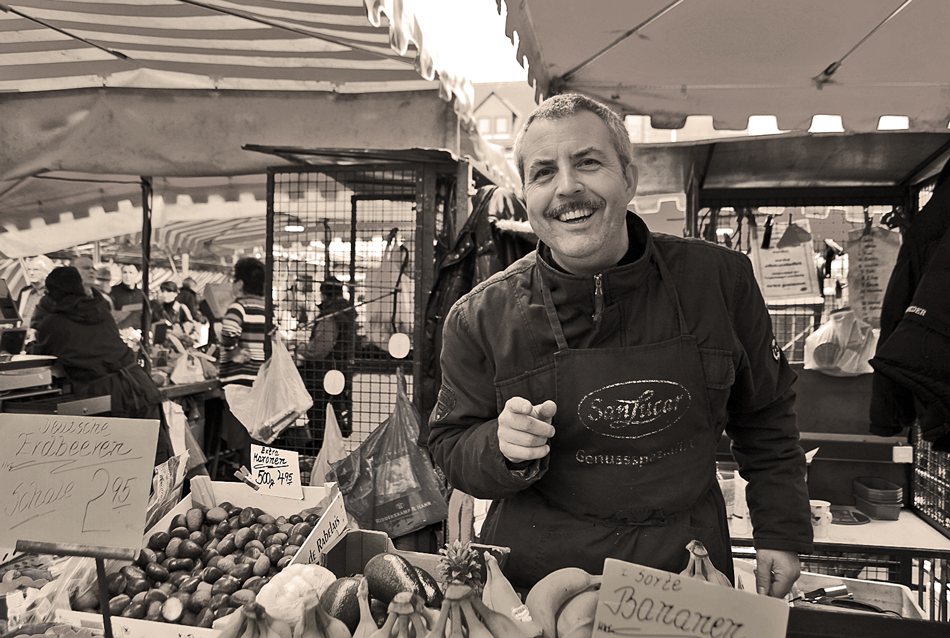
[
  {"x": 892, "y": 405},
  {"x": 916, "y": 356},
  {"x": 498, "y": 344},
  {"x": 81, "y": 333},
  {"x": 123, "y": 295},
  {"x": 494, "y": 236}
]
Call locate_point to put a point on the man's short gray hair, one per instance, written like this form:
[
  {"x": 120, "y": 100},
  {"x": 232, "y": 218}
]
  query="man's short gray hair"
[{"x": 568, "y": 105}]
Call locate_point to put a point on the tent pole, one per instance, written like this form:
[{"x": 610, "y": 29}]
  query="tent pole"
[{"x": 146, "y": 256}]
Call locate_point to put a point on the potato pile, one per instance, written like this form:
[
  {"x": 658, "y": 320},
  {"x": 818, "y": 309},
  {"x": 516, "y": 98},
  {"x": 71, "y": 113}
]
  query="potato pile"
[{"x": 207, "y": 565}]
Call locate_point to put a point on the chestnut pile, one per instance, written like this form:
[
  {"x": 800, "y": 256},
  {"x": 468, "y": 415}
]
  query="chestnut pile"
[{"x": 210, "y": 563}]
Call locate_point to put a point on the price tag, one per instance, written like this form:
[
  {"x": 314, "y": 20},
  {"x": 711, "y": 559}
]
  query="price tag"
[
  {"x": 72, "y": 479},
  {"x": 640, "y": 601},
  {"x": 276, "y": 472}
]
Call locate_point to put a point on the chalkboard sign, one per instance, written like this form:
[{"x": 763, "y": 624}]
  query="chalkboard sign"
[{"x": 72, "y": 479}]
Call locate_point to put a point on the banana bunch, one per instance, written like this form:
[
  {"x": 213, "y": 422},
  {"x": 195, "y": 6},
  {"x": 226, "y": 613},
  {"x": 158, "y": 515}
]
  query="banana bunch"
[
  {"x": 701, "y": 567},
  {"x": 464, "y": 615},
  {"x": 564, "y": 603},
  {"x": 500, "y": 596},
  {"x": 251, "y": 621},
  {"x": 317, "y": 623},
  {"x": 406, "y": 618}
]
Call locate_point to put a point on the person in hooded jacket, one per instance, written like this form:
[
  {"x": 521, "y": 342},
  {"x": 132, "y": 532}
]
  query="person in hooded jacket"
[{"x": 81, "y": 333}]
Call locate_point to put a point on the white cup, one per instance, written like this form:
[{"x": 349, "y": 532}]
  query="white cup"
[{"x": 820, "y": 518}]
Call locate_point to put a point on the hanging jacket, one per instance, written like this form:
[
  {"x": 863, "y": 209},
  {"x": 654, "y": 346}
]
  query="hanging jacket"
[
  {"x": 495, "y": 235},
  {"x": 892, "y": 405},
  {"x": 916, "y": 356}
]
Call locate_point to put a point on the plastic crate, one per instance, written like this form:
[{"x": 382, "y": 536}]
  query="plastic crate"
[
  {"x": 878, "y": 490},
  {"x": 878, "y": 511}
]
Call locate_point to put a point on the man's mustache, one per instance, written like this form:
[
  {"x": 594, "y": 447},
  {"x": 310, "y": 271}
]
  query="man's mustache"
[{"x": 574, "y": 204}]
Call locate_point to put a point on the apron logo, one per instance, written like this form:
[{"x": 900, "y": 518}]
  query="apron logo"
[
  {"x": 776, "y": 353},
  {"x": 633, "y": 409}
]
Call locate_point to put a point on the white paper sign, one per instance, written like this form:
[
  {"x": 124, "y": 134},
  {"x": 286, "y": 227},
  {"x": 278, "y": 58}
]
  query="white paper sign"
[
  {"x": 331, "y": 526},
  {"x": 276, "y": 472},
  {"x": 871, "y": 259},
  {"x": 785, "y": 273},
  {"x": 73, "y": 479},
  {"x": 644, "y": 602}
]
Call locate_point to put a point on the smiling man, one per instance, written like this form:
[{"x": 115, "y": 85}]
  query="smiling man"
[{"x": 585, "y": 388}]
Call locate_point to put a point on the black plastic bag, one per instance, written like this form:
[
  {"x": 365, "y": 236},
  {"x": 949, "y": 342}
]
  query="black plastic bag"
[{"x": 389, "y": 483}]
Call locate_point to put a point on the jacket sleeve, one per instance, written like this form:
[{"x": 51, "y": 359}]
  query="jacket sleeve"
[
  {"x": 763, "y": 428},
  {"x": 463, "y": 436}
]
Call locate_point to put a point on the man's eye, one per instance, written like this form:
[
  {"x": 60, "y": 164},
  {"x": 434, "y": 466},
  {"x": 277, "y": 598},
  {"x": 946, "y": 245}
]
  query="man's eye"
[
  {"x": 542, "y": 173},
  {"x": 587, "y": 161}
]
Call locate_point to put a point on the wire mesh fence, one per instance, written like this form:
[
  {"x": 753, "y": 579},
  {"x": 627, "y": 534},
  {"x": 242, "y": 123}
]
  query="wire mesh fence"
[{"x": 343, "y": 284}]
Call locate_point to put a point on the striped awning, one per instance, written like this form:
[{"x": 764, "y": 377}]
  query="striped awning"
[{"x": 343, "y": 46}]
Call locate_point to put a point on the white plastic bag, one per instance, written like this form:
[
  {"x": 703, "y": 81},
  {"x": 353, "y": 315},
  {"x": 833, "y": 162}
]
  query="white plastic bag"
[
  {"x": 332, "y": 450},
  {"x": 275, "y": 400},
  {"x": 187, "y": 370},
  {"x": 842, "y": 346}
]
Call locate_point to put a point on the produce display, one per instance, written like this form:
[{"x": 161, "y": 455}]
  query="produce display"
[
  {"x": 209, "y": 564},
  {"x": 701, "y": 567},
  {"x": 392, "y": 598}
]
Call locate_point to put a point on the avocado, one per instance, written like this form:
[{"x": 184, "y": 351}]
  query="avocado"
[
  {"x": 340, "y": 601},
  {"x": 388, "y": 574},
  {"x": 433, "y": 593}
]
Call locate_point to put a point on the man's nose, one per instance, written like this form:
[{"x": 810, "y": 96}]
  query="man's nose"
[{"x": 568, "y": 182}]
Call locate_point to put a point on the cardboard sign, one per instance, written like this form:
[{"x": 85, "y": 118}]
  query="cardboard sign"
[
  {"x": 72, "y": 479},
  {"x": 276, "y": 472},
  {"x": 332, "y": 525},
  {"x": 640, "y": 601},
  {"x": 785, "y": 273}
]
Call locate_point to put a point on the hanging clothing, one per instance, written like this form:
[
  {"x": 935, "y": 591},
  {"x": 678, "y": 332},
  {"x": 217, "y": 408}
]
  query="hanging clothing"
[
  {"x": 649, "y": 363},
  {"x": 495, "y": 235},
  {"x": 916, "y": 356}
]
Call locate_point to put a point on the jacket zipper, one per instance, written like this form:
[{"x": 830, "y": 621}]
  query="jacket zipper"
[{"x": 598, "y": 299}]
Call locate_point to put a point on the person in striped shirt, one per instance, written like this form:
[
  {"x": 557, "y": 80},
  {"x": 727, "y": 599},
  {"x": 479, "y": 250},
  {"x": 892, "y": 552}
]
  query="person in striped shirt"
[
  {"x": 242, "y": 329},
  {"x": 242, "y": 346}
]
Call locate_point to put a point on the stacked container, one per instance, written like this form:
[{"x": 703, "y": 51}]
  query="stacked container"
[{"x": 878, "y": 498}]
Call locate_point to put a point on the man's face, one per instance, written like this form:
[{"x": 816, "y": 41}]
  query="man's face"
[
  {"x": 130, "y": 275},
  {"x": 87, "y": 270},
  {"x": 577, "y": 192},
  {"x": 35, "y": 272}
]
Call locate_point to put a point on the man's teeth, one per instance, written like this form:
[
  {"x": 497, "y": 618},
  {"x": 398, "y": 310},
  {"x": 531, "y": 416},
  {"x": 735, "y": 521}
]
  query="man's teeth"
[{"x": 576, "y": 214}]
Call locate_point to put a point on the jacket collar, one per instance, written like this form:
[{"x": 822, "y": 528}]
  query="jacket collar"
[{"x": 617, "y": 281}]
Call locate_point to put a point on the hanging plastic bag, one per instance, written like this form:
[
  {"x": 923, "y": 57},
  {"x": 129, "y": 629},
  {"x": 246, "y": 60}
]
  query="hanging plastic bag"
[
  {"x": 388, "y": 483},
  {"x": 331, "y": 452},
  {"x": 842, "y": 346},
  {"x": 388, "y": 297},
  {"x": 275, "y": 400},
  {"x": 187, "y": 369}
]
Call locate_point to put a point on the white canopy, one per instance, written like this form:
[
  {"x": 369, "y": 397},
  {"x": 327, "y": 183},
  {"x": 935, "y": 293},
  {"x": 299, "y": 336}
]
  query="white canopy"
[
  {"x": 732, "y": 59},
  {"x": 95, "y": 93}
]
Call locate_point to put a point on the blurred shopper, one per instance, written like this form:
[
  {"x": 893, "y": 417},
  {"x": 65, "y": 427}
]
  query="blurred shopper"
[
  {"x": 126, "y": 292},
  {"x": 188, "y": 297},
  {"x": 104, "y": 284},
  {"x": 167, "y": 309},
  {"x": 37, "y": 268},
  {"x": 87, "y": 273},
  {"x": 81, "y": 333}
]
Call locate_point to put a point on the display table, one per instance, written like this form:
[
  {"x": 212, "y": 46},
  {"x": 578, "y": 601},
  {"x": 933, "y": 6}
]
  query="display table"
[{"x": 899, "y": 549}]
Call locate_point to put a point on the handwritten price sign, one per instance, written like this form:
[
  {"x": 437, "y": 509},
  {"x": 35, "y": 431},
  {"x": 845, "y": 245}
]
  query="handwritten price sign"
[
  {"x": 640, "y": 601},
  {"x": 71, "y": 479},
  {"x": 277, "y": 472}
]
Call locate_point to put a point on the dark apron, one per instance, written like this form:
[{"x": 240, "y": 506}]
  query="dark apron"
[{"x": 632, "y": 464}]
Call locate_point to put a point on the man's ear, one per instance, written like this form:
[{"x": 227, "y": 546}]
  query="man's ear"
[{"x": 631, "y": 176}]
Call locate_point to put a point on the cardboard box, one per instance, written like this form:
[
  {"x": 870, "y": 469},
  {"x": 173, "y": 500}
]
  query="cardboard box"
[
  {"x": 887, "y": 596},
  {"x": 332, "y": 524},
  {"x": 349, "y": 554}
]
